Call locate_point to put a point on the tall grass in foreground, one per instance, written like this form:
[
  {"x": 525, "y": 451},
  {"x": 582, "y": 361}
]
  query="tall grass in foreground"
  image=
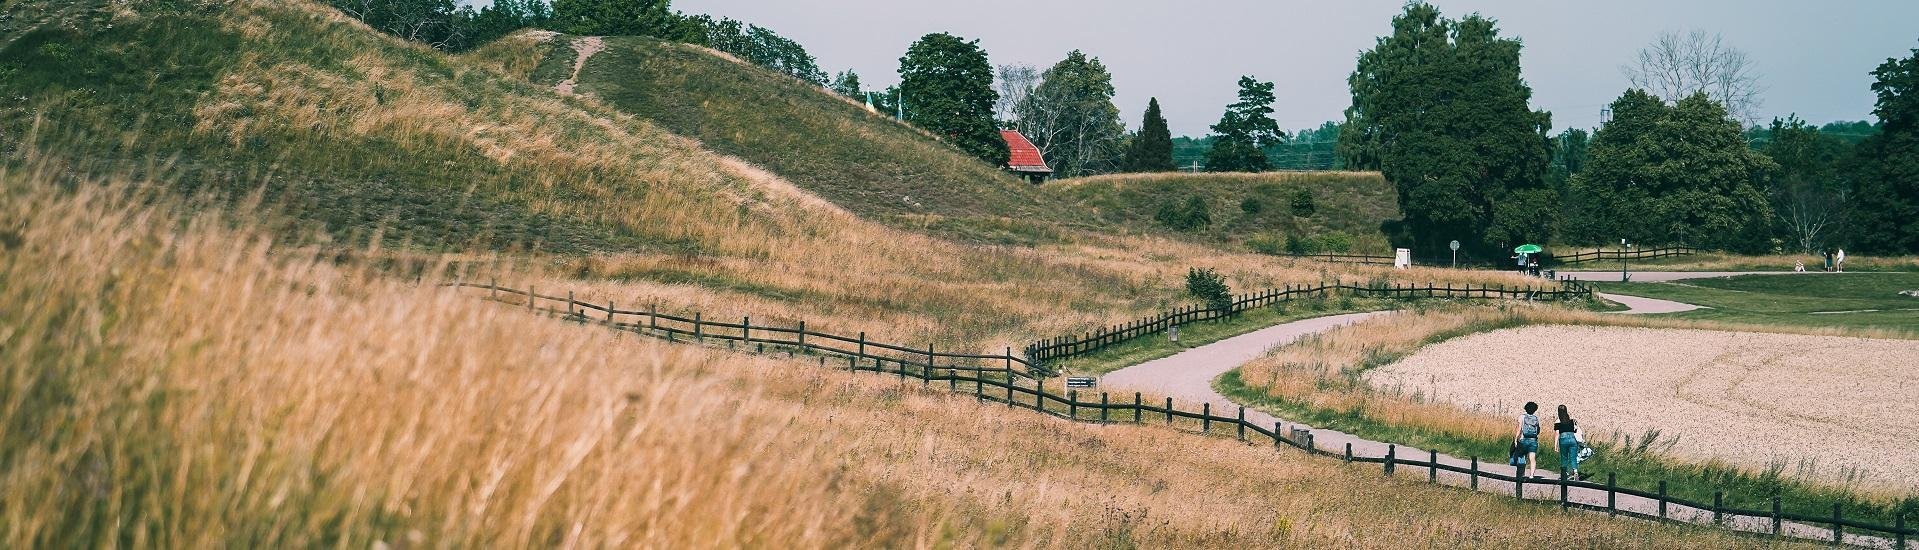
[{"x": 175, "y": 380}]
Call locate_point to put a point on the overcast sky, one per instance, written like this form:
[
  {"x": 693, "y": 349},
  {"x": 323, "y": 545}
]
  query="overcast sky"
[{"x": 1814, "y": 55}]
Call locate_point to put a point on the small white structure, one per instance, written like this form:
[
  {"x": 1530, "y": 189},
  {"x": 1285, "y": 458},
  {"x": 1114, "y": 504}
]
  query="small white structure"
[{"x": 1402, "y": 258}]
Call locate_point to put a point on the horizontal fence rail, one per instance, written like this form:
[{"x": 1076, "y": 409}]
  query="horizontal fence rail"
[
  {"x": 1616, "y": 255},
  {"x": 1474, "y": 262},
  {"x": 1020, "y": 384},
  {"x": 700, "y": 329},
  {"x": 1043, "y": 351}
]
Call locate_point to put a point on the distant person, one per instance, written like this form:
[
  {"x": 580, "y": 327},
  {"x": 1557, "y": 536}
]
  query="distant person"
[
  {"x": 1532, "y": 264},
  {"x": 1528, "y": 437},
  {"x": 1828, "y": 253},
  {"x": 1521, "y": 262},
  {"x": 1839, "y": 261},
  {"x": 1570, "y": 444},
  {"x": 1798, "y": 266}
]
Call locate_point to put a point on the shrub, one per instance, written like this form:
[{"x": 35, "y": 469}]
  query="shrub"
[
  {"x": 1210, "y": 287},
  {"x": 1337, "y": 241},
  {"x": 1193, "y": 214},
  {"x": 1267, "y": 244},
  {"x": 1296, "y": 245},
  {"x": 1303, "y": 203},
  {"x": 1251, "y": 206}
]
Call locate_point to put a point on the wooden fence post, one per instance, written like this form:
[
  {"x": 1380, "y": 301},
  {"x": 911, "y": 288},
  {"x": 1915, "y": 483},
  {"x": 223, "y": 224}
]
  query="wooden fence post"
[
  {"x": 653, "y": 318},
  {"x": 1612, "y": 494},
  {"x": 1390, "y": 451},
  {"x": 1206, "y": 417},
  {"x": 1473, "y": 474},
  {"x": 1519, "y": 481},
  {"x": 1009, "y": 392},
  {"x": 1242, "y": 423},
  {"x": 1039, "y": 395},
  {"x": 699, "y": 330},
  {"x": 1276, "y": 435},
  {"x": 952, "y": 380},
  {"x": 1432, "y": 470},
  {"x": 1563, "y": 502},
  {"x": 1662, "y": 499},
  {"x": 1349, "y": 452},
  {"x": 1136, "y": 408},
  {"x": 802, "y": 333},
  {"x": 746, "y": 330},
  {"x": 529, "y": 297},
  {"x": 1102, "y": 407},
  {"x": 1899, "y": 532},
  {"x": 1775, "y": 516},
  {"x": 862, "y": 344},
  {"x": 1718, "y": 504},
  {"x": 1072, "y": 404},
  {"x": 492, "y": 288},
  {"x": 1838, "y": 531},
  {"x": 1169, "y": 411},
  {"x": 569, "y": 302}
]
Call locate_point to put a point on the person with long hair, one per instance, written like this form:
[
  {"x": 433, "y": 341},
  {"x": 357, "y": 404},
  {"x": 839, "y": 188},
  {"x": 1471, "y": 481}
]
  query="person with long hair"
[
  {"x": 1570, "y": 443},
  {"x": 1527, "y": 438}
]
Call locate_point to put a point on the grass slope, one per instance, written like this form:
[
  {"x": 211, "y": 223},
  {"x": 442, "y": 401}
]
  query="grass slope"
[
  {"x": 1354, "y": 203},
  {"x": 862, "y": 161}
]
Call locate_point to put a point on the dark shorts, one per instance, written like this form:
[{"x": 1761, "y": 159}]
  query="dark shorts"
[{"x": 1529, "y": 444}]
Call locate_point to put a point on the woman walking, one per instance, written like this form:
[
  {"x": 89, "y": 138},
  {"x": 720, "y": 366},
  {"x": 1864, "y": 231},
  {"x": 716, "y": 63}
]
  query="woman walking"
[
  {"x": 1528, "y": 438},
  {"x": 1570, "y": 444}
]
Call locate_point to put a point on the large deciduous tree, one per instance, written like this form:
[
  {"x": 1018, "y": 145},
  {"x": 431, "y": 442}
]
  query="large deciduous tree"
[
  {"x": 1071, "y": 118},
  {"x": 1682, "y": 173},
  {"x": 1887, "y": 184},
  {"x": 1015, "y": 82},
  {"x": 1245, "y": 130},
  {"x": 947, "y": 87},
  {"x": 1810, "y": 192},
  {"x": 1440, "y": 109},
  {"x": 1151, "y": 149},
  {"x": 1676, "y": 66},
  {"x": 614, "y": 17}
]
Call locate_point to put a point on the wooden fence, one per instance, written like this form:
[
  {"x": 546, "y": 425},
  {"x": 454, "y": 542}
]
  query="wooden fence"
[
  {"x": 1473, "y": 262},
  {"x": 1617, "y": 255},
  {"x": 1021, "y": 384},
  {"x": 744, "y": 333},
  {"x": 1043, "y": 351}
]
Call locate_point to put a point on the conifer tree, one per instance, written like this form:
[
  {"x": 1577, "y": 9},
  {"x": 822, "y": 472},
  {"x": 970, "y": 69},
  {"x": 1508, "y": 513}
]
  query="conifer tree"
[{"x": 1152, "y": 149}]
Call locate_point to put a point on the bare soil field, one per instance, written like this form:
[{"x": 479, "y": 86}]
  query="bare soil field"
[{"x": 1831, "y": 408}]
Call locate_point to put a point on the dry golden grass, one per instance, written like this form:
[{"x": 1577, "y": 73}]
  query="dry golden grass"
[{"x": 180, "y": 381}]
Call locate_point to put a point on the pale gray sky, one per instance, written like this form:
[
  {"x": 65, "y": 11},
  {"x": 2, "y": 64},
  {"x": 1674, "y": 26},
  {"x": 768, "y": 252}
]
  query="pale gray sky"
[{"x": 1814, "y": 56}]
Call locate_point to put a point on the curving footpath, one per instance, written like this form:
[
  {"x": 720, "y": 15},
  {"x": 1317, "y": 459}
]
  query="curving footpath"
[{"x": 1188, "y": 377}]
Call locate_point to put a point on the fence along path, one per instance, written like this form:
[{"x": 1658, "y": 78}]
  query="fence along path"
[
  {"x": 1577, "y": 257},
  {"x": 1070, "y": 346},
  {"x": 1016, "y": 383}
]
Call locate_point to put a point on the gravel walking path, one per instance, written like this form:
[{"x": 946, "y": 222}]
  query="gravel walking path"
[{"x": 1187, "y": 377}]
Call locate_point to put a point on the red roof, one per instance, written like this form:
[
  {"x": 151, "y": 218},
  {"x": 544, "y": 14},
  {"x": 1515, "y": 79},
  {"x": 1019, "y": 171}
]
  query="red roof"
[{"x": 1026, "y": 157}]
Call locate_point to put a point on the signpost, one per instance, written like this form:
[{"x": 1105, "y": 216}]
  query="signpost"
[
  {"x": 1624, "y": 277},
  {"x": 1455, "y": 246},
  {"x": 1172, "y": 333},
  {"x": 1081, "y": 382}
]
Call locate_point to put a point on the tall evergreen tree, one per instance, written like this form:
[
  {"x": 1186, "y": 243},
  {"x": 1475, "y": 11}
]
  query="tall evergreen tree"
[
  {"x": 614, "y": 17},
  {"x": 947, "y": 87},
  {"x": 1071, "y": 118},
  {"x": 1243, "y": 132},
  {"x": 1440, "y": 109},
  {"x": 1152, "y": 148},
  {"x": 1887, "y": 185}
]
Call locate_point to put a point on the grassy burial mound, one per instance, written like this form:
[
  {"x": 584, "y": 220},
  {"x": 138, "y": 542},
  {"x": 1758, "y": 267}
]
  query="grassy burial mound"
[
  {"x": 828, "y": 145},
  {"x": 1274, "y": 213},
  {"x": 208, "y": 387}
]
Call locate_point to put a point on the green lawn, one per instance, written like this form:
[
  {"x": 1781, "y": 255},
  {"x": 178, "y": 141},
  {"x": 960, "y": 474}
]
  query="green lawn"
[{"x": 1850, "y": 300}]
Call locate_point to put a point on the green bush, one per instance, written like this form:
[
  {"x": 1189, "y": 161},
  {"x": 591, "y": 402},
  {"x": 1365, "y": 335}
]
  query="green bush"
[
  {"x": 1251, "y": 206},
  {"x": 1193, "y": 214},
  {"x": 1303, "y": 203},
  {"x": 1267, "y": 244},
  {"x": 1296, "y": 245},
  {"x": 1337, "y": 241},
  {"x": 1210, "y": 287}
]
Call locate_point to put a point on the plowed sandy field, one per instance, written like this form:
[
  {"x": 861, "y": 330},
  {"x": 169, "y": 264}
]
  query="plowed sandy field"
[{"x": 1834, "y": 408}]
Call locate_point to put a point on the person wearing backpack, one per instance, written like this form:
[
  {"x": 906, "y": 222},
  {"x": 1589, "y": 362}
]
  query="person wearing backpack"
[
  {"x": 1572, "y": 445},
  {"x": 1527, "y": 437}
]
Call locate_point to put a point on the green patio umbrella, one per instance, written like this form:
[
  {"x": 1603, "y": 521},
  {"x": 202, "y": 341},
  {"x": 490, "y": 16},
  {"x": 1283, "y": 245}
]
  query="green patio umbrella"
[{"x": 1527, "y": 249}]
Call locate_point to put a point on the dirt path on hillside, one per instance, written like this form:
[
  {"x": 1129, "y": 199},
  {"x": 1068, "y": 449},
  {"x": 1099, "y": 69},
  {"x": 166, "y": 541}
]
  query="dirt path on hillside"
[
  {"x": 585, "y": 46},
  {"x": 1187, "y": 377}
]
